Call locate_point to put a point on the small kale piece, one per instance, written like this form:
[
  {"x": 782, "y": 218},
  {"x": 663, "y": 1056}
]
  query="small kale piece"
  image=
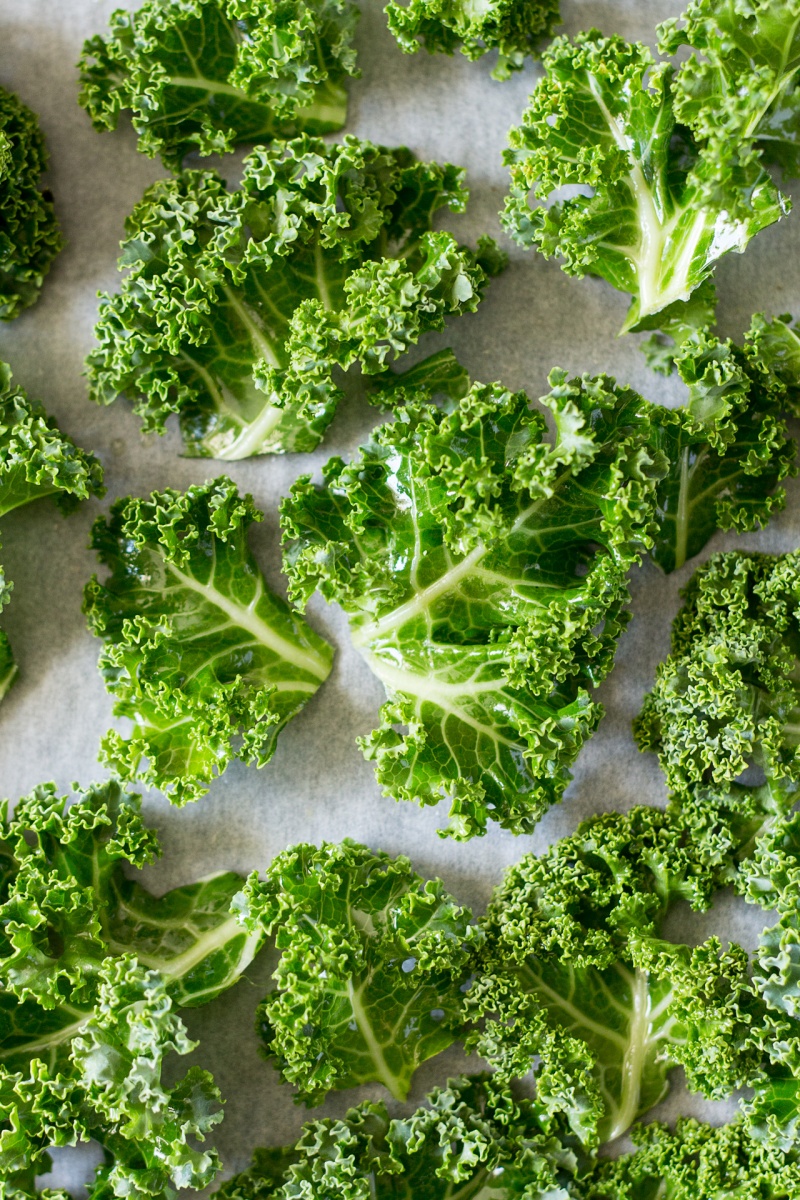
[
  {"x": 205, "y": 660},
  {"x": 208, "y": 75},
  {"x": 657, "y": 202},
  {"x": 516, "y": 28},
  {"x": 373, "y": 964},
  {"x": 29, "y": 234},
  {"x": 36, "y": 460},
  {"x": 484, "y": 572},
  {"x": 470, "y": 1139},
  {"x": 727, "y": 447},
  {"x": 728, "y": 696},
  {"x": 92, "y": 970},
  {"x": 240, "y": 309}
]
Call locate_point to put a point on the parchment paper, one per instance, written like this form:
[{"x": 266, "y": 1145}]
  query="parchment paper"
[{"x": 318, "y": 786}]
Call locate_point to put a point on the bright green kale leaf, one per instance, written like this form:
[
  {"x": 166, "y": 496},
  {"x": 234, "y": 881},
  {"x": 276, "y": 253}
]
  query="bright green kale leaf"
[
  {"x": 207, "y": 663},
  {"x": 739, "y": 91},
  {"x": 29, "y": 233},
  {"x": 516, "y": 28},
  {"x": 208, "y": 75},
  {"x": 92, "y": 969},
  {"x": 471, "y": 1140},
  {"x": 728, "y": 695},
  {"x": 240, "y": 308},
  {"x": 727, "y": 447},
  {"x": 36, "y": 460},
  {"x": 574, "y": 975},
  {"x": 373, "y": 964},
  {"x": 695, "y": 1162},
  {"x": 656, "y": 205},
  {"x": 484, "y": 572}
]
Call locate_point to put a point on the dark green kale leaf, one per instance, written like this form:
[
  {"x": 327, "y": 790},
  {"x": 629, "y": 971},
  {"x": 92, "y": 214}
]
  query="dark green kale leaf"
[
  {"x": 516, "y": 28},
  {"x": 208, "y": 75},
  {"x": 36, "y": 460},
  {"x": 240, "y": 309},
  {"x": 484, "y": 572},
  {"x": 576, "y": 983},
  {"x": 727, "y": 447},
  {"x": 29, "y": 234},
  {"x": 657, "y": 200},
  {"x": 373, "y": 964},
  {"x": 200, "y": 655},
  {"x": 470, "y": 1140},
  {"x": 728, "y": 695},
  {"x": 92, "y": 970}
]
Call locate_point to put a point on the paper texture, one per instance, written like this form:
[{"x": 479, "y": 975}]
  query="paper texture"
[{"x": 318, "y": 786}]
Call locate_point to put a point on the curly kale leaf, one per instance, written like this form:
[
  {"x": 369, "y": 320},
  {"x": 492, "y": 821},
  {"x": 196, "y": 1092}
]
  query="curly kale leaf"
[
  {"x": 105, "y": 1084},
  {"x": 727, "y": 448},
  {"x": 484, "y": 573},
  {"x": 739, "y": 90},
  {"x": 516, "y": 28},
  {"x": 574, "y": 975},
  {"x": 207, "y": 663},
  {"x": 29, "y": 234},
  {"x": 695, "y": 1162},
  {"x": 66, "y": 905},
  {"x": 208, "y": 75},
  {"x": 92, "y": 968},
  {"x": 373, "y": 963},
  {"x": 36, "y": 460},
  {"x": 728, "y": 697},
  {"x": 469, "y": 1134},
  {"x": 656, "y": 204},
  {"x": 239, "y": 308}
]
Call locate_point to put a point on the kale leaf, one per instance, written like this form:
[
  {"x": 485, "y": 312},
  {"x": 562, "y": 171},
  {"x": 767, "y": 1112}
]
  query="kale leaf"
[
  {"x": 36, "y": 460},
  {"x": 484, "y": 573},
  {"x": 728, "y": 696},
  {"x": 92, "y": 970},
  {"x": 29, "y": 234},
  {"x": 204, "y": 659},
  {"x": 727, "y": 447},
  {"x": 208, "y": 75},
  {"x": 575, "y": 981},
  {"x": 373, "y": 964},
  {"x": 658, "y": 197},
  {"x": 240, "y": 307}
]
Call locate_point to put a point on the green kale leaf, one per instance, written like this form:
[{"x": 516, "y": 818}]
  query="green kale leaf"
[
  {"x": 654, "y": 201},
  {"x": 200, "y": 655},
  {"x": 92, "y": 970},
  {"x": 29, "y": 234},
  {"x": 574, "y": 975},
  {"x": 36, "y": 460},
  {"x": 240, "y": 308},
  {"x": 728, "y": 697},
  {"x": 727, "y": 447},
  {"x": 739, "y": 91},
  {"x": 695, "y": 1162},
  {"x": 469, "y": 1140},
  {"x": 516, "y": 28},
  {"x": 484, "y": 572},
  {"x": 373, "y": 964},
  {"x": 208, "y": 75}
]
